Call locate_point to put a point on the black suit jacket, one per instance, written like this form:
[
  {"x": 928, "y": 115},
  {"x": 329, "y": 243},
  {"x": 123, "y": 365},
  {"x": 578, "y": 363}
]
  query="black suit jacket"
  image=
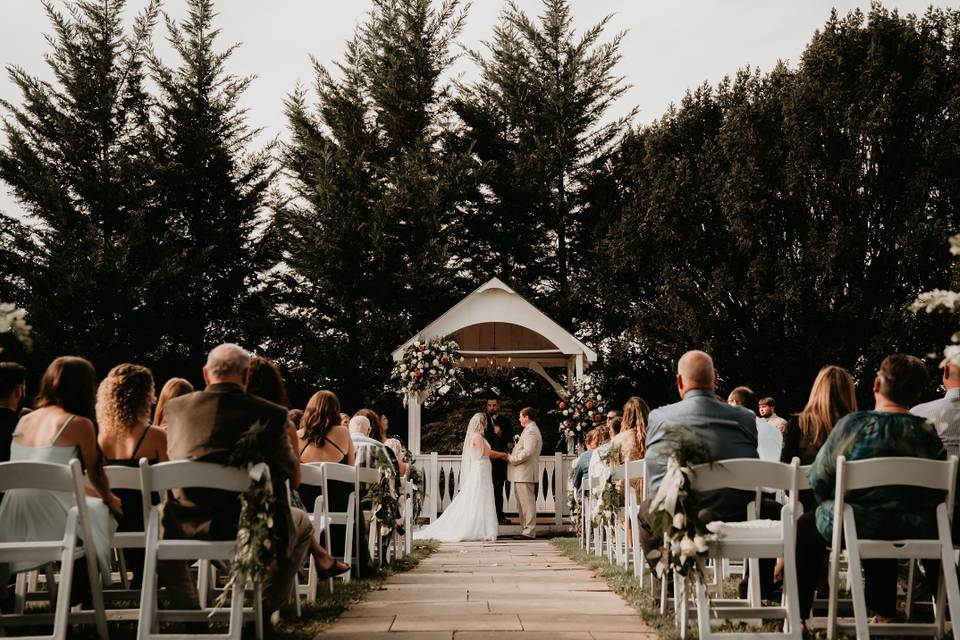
[
  {"x": 205, "y": 426},
  {"x": 8, "y": 422},
  {"x": 502, "y": 442}
]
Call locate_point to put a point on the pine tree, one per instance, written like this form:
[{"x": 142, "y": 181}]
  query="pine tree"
[
  {"x": 537, "y": 122},
  {"x": 78, "y": 159},
  {"x": 379, "y": 187},
  {"x": 213, "y": 192}
]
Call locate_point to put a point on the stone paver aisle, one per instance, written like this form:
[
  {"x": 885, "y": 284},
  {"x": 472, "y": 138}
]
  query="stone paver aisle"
[{"x": 507, "y": 589}]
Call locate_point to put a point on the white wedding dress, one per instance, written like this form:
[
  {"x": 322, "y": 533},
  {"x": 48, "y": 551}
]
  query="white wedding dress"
[{"x": 472, "y": 515}]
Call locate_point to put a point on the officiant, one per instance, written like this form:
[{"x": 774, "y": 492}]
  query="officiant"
[{"x": 499, "y": 437}]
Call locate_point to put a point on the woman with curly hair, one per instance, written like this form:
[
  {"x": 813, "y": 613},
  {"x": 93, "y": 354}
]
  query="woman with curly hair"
[{"x": 124, "y": 399}]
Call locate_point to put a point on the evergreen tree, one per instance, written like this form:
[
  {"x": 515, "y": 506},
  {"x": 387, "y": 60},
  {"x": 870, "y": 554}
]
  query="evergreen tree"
[
  {"x": 379, "y": 187},
  {"x": 78, "y": 160},
  {"x": 537, "y": 122},
  {"x": 213, "y": 193},
  {"x": 784, "y": 221}
]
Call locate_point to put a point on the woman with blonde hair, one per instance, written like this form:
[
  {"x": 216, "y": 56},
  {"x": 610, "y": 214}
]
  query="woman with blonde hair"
[
  {"x": 124, "y": 399},
  {"x": 832, "y": 396},
  {"x": 174, "y": 388}
]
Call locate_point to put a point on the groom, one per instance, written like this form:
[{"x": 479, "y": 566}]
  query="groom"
[{"x": 522, "y": 472}]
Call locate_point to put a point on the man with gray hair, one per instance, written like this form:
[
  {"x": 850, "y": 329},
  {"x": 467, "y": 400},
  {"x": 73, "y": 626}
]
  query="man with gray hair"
[
  {"x": 206, "y": 426},
  {"x": 729, "y": 432},
  {"x": 367, "y": 449}
]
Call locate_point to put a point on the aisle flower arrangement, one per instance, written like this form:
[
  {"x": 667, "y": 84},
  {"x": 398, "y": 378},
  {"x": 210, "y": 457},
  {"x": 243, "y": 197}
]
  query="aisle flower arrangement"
[
  {"x": 582, "y": 409},
  {"x": 418, "y": 480},
  {"x": 606, "y": 510},
  {"x": 675, "y": 515},
  {"x": 427, "y": 365}
]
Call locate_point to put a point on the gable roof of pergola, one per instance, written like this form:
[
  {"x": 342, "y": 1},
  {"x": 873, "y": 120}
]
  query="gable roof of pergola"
[{"x": 495, "y": 322}]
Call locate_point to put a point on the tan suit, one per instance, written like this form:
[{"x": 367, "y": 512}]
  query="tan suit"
[{"x": 522, "y": 474}]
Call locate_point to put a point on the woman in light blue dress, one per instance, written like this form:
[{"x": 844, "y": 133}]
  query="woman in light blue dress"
[{"x": 59, "y": 430}]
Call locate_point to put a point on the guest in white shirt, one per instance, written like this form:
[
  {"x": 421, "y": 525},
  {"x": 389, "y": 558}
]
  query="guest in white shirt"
[
  {"x": 768, "y": 411},
  {"x": 769, "y": 438},
  {"x": 362, "y": 442},
  {"x": 943, "y": 412}
]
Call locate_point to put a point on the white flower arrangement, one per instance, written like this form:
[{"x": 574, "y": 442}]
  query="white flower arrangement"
[
  {"x": 946, "y": 301},
  {"x": 675, "y": 514},
  {"x": 426, "y": 365},
  {"x": 13, "y": 320},
  {"x": 582, "y": 409}
]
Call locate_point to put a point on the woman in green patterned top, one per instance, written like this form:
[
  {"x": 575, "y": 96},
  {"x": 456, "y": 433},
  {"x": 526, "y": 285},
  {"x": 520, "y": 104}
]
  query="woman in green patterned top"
[{"x": 889, "y": 512}]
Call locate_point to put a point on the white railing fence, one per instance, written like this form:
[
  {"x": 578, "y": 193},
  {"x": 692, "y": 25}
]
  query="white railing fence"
[{"x": 443, "y": 483}]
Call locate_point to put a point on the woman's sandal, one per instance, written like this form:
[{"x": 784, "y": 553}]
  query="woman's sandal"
[{"x": 333, "y": 570}]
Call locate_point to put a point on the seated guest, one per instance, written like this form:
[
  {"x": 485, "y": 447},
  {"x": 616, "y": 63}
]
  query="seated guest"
[
  {"x": 582, "y": 465},
  {"x": 889, "y": 512},
  {"x": 377, "y": 433},
  {"x": 769, "y": 438},
  {"x": 602, "y": 445},
  {"x": 392, "y": 443},
  {"x": 174, "y": 388},
  {"x": 124, "y": 400},
  {"x": 206, "y": 426},
  {"x": 729, "y": 432},
  {"x": 632, "y": 438},
  {"x": 323, "y": 439},
  {"x": 768, "y": 411},
  {"x": 61, "y": 429},
  {"x": 264, "y": 380},
  {"x": 294, "y": 416},
  {"x": 943, "y": 411},
  {"x": 832, "y": 396},
  {"x": 13, "y": 388},
  {"x": 366, "y": 448}
]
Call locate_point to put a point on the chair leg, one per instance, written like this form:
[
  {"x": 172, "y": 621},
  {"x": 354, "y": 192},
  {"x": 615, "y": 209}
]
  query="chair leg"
[
  {"x": 258, "y": 611},
  {"x": 61, "y": 617},
  {"x": 148, "y": 593},
  {"x": 51, "y": 585},
  {"x": 854, "y": 569}
]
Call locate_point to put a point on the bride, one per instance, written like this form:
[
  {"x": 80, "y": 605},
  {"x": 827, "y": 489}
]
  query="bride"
[{"x": 472, "y": 514}]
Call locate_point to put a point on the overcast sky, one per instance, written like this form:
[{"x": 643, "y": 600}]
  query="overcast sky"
[{"x": 669, "y": 47}]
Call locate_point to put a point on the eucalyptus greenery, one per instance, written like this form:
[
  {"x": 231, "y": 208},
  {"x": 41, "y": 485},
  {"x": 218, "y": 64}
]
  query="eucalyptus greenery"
[
  {"x": 256, "y": 543},
  {"x": 384, "y": 501},
  {"x": 418, "y": 480}
]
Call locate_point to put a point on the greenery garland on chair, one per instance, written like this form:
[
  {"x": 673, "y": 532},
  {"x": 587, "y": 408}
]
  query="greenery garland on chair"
[
  {"x": 418, "y": 480},
  {"x": 384, "y": 501},
  {"x": 606, "y": 513},
  {"x": 256, "y": 544},
  {"x": 675, "y": 514}
]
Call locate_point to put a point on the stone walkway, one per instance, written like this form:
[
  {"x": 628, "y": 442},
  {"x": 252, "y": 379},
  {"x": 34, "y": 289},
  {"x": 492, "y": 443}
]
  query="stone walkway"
[{"x": 508, "y": 589}]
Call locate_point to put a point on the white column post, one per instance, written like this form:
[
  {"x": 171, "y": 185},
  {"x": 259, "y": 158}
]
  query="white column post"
[
  {"x": 434, "y": 481},
  {"x": 559, "y": 488},
  {"x": 579, "y": 365},
  {"x": 413, "y": 423}
]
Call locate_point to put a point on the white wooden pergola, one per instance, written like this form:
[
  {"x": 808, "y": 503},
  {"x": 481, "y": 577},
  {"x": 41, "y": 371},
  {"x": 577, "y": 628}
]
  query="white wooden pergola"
[{"x": 496, "y": 327}]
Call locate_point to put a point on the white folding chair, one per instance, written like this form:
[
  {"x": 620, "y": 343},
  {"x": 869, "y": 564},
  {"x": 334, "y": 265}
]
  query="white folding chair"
[
  {"x": 195, "y": 475},
  {"x": 47, "y": 476},
  {"x": 345, "y": 474},
  {"x": 752, "y": 539},
  {"x": 634, "y": 470},
  {"x": 366, "y": 476},
  {"x": 893, "y": 471},
  {"x": 127, "y": 478}
]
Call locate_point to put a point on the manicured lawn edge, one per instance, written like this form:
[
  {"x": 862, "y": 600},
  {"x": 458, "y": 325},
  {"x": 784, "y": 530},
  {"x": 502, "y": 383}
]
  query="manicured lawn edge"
[{"x": 624, "y": 584}]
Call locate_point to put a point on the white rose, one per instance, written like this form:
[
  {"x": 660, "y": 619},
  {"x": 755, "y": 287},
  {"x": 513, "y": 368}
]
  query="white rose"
[
  {"x": 714, "y": 527},
  {"x": 436, "y": 362},
  {"x": 678, "y": 520},
  {"x": 687, "y": 547},
  {"x": 674, "y": 547}
]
